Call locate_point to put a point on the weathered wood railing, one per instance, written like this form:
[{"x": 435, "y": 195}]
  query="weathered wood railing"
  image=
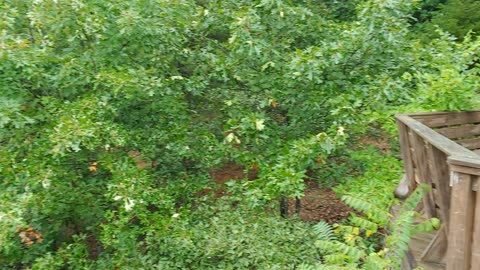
[{"x": 438, "y": 149}]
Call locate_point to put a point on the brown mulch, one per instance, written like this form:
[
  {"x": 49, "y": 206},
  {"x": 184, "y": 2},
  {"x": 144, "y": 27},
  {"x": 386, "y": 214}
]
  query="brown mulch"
[
  {"x": 320, "y": 204},
  {"x": 317, "y": 203},
  {"x": 228, "y": 172}
]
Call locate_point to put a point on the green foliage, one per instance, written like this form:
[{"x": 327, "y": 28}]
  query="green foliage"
[
  {"x": 356, "y": 251},
  {"x": 361, "y": 236},
  {"x": 224, "y": 237},
  {"x": 374, "y": 213},
  {"x": 426, "y": 10},
  {"x": 323, "y": 230},
  {"x": 112, "y": 114},
  {"x": 380, "y": 174},
  {"x": 457, "y": 18},
  {"x": 452, "y": 81},
  {"x": 285, "y": 177},
  {"x": 339, "y": 10}
]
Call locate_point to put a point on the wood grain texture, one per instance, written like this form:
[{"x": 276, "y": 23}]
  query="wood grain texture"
[
  {"x": 476, "y": 232},
  {"x": 405, "y": 147},
  {"x": 423, "y": 171},
  {"x": 472, "y": 143},
  {"x": 460, "y": 131},
  {"x": 418, "y": 245},
  {"x": 466, "y": 170},
  {"x": 453, "y": 171},
  {"x": 442, "y": 119},
  {"x": 442, "y": 143},
  {"x": 461, "y": 223},
  {"x": 436, "y": 249},
  {"x": 408, "y": 262},
  {"x": 440, "y": 173},
  {"x": 472, "y": 162}
]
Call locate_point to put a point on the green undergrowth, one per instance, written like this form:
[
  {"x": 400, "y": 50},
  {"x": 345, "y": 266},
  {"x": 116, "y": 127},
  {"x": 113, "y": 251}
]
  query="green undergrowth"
[
  {"x": 112, "y": 114},
  {"x": 227, "y": 233},
  {"x": 380, "y": 174},
  {"x": 371, "y": 238},
  {"x": 224, "y": 235}
]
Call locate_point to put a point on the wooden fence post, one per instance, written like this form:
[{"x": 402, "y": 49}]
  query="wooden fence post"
[
  {"x": 408, "y": 183},
  {"x": 461, "y": 222}
]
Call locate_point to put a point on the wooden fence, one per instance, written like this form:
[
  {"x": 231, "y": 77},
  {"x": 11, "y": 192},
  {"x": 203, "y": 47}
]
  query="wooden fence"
[{"x": 440, "y": 149}]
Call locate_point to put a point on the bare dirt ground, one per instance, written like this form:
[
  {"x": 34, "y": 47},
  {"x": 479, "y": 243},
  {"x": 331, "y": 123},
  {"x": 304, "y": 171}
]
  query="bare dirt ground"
[
  {"x": 317, "y": 203},
  {"x": 320, "y": 204}
]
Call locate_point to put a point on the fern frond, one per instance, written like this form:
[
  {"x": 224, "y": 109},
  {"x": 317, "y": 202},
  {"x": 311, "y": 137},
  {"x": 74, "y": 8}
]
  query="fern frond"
[
  {"x": 304, "y": 266},
  {"x": 354, "y": 254},
  {"x": 335, "y": 259},
  {"x": 327, "y": 246},
  {"x": 335, "y": 267},
  {"x": 324, "y": 231},
  {"x": 403, "y": 227},
  {"x": 377, "y": 215},
  {"x": 412, "y": 201},
  {"x": 364, "y": 223},
  {"x": 325, "y": 267},
  {"x": 375, "y": 262}
]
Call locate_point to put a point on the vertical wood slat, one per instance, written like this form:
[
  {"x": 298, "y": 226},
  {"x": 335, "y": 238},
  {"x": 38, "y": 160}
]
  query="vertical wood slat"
[
  {"x": 461, "y": 222},
  {"x": 423, "y": 170},
  {"x": 424, "y": 154},
  {"x": 440, "y": 174},
  {"x": 406, "y": 155},
  {"x": 476, "y": 233}
]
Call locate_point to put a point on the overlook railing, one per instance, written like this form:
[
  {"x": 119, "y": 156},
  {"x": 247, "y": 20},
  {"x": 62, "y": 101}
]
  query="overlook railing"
[{"x": 440, "y": 150}]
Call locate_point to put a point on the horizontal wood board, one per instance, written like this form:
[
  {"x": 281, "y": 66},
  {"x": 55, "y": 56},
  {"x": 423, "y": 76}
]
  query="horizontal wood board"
[
  {"x": 424, "y": 142},
  {"x": 460, "y": 131},
  {"x": 443, "y": 119},
  {"x": 472, "y": 162},
  {"x": 442, "y": 143},
  {"x": 472, "y": 143}
]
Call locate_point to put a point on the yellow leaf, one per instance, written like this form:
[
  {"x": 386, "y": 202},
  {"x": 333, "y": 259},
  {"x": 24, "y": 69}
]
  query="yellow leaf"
[
  {"x": 259, "y": 124},
  {"x": 93, "y": 166}
]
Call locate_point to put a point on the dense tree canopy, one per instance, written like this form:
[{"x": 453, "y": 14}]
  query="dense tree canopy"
[
  {"x": 113, "y": 113},
  {"x": 454, "y": 16}
]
